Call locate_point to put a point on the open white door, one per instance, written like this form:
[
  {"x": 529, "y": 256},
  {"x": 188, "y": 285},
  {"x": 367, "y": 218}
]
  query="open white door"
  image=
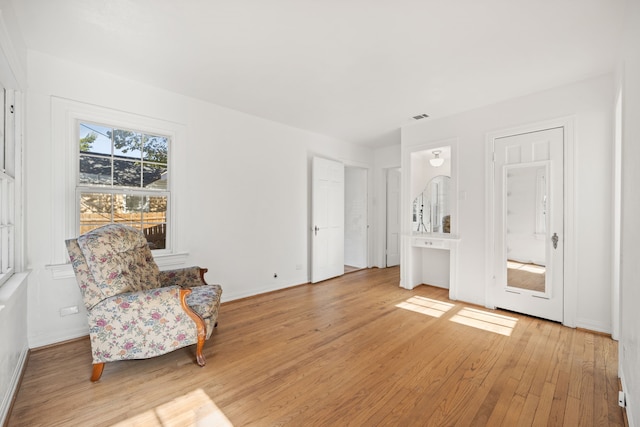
[
  {"x": 327, "y": 219},
  {"x": 529, "y": 260}
]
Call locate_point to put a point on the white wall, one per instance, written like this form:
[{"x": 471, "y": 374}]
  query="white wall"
[
  {"x": 242, "y": 200},
  {"x": 629, "y": 346},
  {"x": 591, "y": 104},
  {"x": 12, "y": 45},
  {"x": 423, "y": 172}
]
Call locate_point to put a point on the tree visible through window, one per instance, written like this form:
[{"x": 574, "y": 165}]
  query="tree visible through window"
[{"x": 123, "y": 178}]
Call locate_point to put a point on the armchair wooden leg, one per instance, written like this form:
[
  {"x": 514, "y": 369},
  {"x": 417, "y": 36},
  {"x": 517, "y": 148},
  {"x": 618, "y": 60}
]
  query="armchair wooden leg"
[
  {"x": 200, "y": 326},
  {"x": 199, "y": 356},
  {"x": 97, "y": 371}
]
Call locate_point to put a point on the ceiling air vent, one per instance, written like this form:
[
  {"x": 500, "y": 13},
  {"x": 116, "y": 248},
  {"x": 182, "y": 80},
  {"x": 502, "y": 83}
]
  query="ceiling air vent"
[{"x": 420, "y": 116}]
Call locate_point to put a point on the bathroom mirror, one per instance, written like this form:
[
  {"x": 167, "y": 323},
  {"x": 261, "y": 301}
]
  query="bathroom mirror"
[
  {"x": 526, "y": 225},
  {"x": 431, "y": 212}
]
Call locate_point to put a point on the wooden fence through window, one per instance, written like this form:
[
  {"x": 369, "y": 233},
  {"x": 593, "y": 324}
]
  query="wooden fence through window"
[{"x": 154, "y": 226}]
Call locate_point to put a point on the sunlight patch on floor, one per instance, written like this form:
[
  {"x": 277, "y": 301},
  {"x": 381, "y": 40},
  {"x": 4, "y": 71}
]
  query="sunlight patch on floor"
[
  {"x": 531, "y": 268},
  {"x": 426, "y": 306},
  {"x": 486, "y": 321},
  {"x": 192, "y": 409}
]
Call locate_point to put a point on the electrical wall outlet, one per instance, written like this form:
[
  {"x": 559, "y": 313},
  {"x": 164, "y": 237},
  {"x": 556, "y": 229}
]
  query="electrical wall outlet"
[{"x": 66, "y": 311}]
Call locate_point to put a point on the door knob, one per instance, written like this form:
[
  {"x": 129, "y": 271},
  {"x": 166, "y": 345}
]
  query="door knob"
[
  {"x": 554, "y": 239},
  {"x": 316, "y": 229}
]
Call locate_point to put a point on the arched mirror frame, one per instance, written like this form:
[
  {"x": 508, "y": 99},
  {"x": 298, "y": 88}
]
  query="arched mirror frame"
[
  {"x": 431, "y": 211},
  {"x": 412, "y": 186}
]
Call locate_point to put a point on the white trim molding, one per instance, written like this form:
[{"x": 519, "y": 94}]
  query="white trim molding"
[{"x": 65, "y": 114}]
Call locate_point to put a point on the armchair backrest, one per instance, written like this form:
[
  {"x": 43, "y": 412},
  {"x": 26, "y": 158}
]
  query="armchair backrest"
[
  {"x": 91, "y": 293},
  {"x": 117, "y": 259}
]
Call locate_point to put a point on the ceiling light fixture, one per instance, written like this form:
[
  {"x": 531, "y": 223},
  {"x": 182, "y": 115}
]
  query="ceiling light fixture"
[{"x": 437, "y": 161}]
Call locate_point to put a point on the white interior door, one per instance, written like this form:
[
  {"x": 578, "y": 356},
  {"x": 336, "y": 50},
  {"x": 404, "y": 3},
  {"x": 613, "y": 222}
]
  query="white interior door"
[
  {"x": 393, "y": 217},
  {"x": 528, "y": 179},
  {"x": 327, "y": 235}
]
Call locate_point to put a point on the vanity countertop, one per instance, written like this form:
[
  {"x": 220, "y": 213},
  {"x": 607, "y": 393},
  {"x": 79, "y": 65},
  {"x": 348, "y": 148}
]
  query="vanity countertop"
[{"x": 443, "y": 236}]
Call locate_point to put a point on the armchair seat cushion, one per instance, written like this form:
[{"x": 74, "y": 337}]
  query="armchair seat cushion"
[{"x": 205, "y": 300}]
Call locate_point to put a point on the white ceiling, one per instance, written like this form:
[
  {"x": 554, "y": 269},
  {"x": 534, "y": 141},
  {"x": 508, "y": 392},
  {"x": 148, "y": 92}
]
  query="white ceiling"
[{"x": 355, "y": 70}]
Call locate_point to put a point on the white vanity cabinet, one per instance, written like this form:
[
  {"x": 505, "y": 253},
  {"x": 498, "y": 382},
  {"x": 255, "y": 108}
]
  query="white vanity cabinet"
[{"x": 433, "y": 261}]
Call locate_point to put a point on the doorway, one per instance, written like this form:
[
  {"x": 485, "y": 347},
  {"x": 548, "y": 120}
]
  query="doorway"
[
  {"x": 355, "y": 218},
  {"x": 528, "y": 222},
  {"x": 339, "y": 218}
]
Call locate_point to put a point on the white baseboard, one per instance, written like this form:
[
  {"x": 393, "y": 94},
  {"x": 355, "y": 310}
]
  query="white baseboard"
[
  {"x": 593, "y": 325},
  {"x": 44, "y": 340},
  {"x": 627, "y": 409},
  {"x": 230, "y": 296},
  {"x": 7, "y": 399}
]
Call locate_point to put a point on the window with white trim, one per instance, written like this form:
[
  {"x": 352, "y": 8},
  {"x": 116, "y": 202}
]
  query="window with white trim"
[
  {"x": 123, "y": 178},
  {"x": 102, "y": 189},
  {"x": 7, "y": 184}
]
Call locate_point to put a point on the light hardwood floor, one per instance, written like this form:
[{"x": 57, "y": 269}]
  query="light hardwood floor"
[{"x": 357, "y": 350}]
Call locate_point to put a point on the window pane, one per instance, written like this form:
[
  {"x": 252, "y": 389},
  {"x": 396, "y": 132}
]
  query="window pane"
[
  {"x": 156, "y": 235},
  {"x": 134, "y": 204},
  {"x": 155, "y": 218},
  {"x": 127, "y": 173},
  {"x": 156, "y": 148},
  {"x": 4, "y": 249},
  {"x": 95, "y": 210},
  {"x": 95, "y": 170},
  {"x": 156, "y": 210},
  {"x": 124, "y": 160},
  {"x": 127, "y": 144},
  {"x": 95, "y": 139},
  {"x": 155, "y": 176}
]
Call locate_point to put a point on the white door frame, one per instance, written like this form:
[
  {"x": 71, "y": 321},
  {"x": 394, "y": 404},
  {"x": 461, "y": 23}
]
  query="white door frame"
[
  {"x": 570, "y": 272},
  {"x": 617, "y": 219},
  {"x": 385, "y": 218}
]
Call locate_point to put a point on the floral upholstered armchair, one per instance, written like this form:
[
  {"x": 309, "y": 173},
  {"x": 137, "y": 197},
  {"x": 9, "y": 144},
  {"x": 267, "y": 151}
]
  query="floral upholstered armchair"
[{"x": 136, "y": 311}]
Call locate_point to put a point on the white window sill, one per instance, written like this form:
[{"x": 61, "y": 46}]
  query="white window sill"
[
  {"x": 65, "y": 271},
  {"x": 8, "y": 289}
]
